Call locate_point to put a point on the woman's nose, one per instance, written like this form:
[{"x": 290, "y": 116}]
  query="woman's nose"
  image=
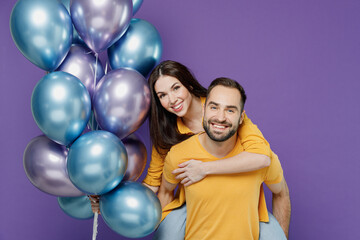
[{"x": 172, "y": 98}]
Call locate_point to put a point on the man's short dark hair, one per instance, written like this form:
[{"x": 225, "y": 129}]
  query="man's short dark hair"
[{"x": 227, "y": 82}]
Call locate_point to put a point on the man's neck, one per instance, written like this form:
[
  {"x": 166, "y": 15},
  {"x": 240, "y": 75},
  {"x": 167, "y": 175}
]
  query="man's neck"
[{"x": 217, "y": 149}]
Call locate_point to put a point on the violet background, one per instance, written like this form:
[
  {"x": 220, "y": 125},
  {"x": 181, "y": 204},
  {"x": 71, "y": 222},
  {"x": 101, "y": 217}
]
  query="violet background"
[{"x": 299, "y": 62}]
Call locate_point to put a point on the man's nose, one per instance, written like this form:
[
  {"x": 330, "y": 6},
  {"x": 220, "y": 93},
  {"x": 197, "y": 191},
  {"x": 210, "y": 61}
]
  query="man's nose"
[{"x": 221, "y": 115}]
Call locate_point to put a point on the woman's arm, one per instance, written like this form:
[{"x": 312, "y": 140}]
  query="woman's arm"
[
  {"x": 193, "y": 171},
  {"x": 256, "y": 155},
  {"x": 153, "y": 177}
]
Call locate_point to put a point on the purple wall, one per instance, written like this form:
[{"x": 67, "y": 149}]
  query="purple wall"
[{"x": 299, "y": 62}]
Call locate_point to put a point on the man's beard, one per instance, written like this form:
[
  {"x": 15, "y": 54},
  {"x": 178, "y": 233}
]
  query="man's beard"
[{"x": 217, "y": 138}]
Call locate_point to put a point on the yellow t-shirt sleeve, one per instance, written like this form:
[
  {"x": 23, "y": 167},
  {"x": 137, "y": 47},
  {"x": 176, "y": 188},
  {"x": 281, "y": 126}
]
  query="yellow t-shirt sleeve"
[
  {"x": 153, "y": 177},
  {"x": 252, "y": 139},
  {"x": 169, "y": 166},
  {"x": 274, "y": 173}
]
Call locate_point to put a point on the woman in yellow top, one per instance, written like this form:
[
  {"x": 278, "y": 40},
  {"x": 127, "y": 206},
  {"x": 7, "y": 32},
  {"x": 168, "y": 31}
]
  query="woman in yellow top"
[{"x": 176, "y": 114}]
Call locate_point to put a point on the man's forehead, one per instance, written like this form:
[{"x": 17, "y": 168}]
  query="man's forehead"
[{"x": 224, "y": 96}]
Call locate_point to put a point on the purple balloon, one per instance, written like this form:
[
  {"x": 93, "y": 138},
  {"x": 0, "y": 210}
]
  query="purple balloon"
[
  {"x": 137, "y": 155},
  {"x": 121, "y": 101},
  {"x": 81, "y": 63},
  {"x": 45, "y": 166},
  {"x": 101, "y": 23}
]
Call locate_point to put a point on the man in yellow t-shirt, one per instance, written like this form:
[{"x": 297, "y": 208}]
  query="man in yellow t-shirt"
[{"x": 223, "y": 206}]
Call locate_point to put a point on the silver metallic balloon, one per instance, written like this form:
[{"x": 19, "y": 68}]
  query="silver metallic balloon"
[
  {"x": 42, "y": 31},
  {"x": 45, "y": 166},
  {"x": 61, "y": 107},
  {"x": 132, "y": 210},
  {"x": 136, "y": 5},
  {"x": 140, "y": 48},
  {"x": 97, "y": 162},
  {"x": 76, "y": 207},
  {"x": 100, "y": 23},
  {"x": 121, "y": 101},
  {"x": 137, "y": 155},
  {"x": 76, "y": 37},
  {"x": 81, "y": 63}
]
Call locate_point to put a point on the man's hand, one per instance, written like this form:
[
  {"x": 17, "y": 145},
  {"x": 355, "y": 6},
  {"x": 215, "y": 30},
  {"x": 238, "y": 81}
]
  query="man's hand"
[{"x": 190, "y": 172}]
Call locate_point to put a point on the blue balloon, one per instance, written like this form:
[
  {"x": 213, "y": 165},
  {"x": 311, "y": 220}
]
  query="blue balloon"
[
  {"x": 131, "y": 210},
  {"x": 76, "y": 37},
  {"x": 42, "y": 31},
  {"x": 140, "y": 48},
  {"x": 61, "y": 107},
  {"x": 136, "y": 5},
  {"x": 97, "y": 162},
  {"x": 76, "y": 207}
]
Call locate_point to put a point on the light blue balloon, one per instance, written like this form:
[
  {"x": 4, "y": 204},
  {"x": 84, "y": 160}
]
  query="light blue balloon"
[
  {"x": 97, "y": 162},
  {"x": 42, "y": 31},
  {"x": 76, "y": 37},
  {"x": 131, "y": 210},
  {"x": 136, "y": 5},
  {"x": 140, "y": 48},
  {"x": 76, "y": 207},
  {"x": 61, "y": 107}
]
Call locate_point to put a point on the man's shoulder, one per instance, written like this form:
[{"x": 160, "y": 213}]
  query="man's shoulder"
[{"x": 185, "y": 145}]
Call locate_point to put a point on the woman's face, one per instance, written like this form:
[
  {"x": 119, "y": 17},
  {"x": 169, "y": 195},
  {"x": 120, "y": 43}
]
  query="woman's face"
[{"x": 173, "y": 96}]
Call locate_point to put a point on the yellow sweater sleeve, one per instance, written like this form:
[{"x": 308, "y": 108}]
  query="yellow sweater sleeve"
[
  {"x": 155, "y": 170},
  {"x": 252, "y": 139}
]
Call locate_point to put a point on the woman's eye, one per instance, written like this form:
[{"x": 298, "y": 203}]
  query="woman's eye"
[
  {"x": 161, "y": 96},
  {"x": 176, "y": 88}
]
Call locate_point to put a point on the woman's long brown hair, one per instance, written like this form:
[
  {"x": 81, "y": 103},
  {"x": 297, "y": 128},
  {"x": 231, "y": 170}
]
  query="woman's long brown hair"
[{"x": 163, "y": 124}]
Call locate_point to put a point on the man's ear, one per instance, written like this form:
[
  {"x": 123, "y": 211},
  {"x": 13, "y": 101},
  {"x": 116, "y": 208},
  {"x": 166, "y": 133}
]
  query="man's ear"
[{"x": 242, "y": 116}]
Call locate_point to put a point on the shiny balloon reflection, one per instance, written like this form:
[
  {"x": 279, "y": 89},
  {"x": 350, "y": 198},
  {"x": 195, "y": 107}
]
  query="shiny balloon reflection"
[
  {"x": 97, "y": 162},
  {"x": 140, "y": 48},
  {"x": 81, "y": 63},
  {"x": 100, "y": 23},
  {"x": 61, "y": 107},
  {"x": 42, "y": 31},
  {"x": 131, "y": 209},
  {"x": 76, "y": 37},
  {"x": 136, "y": 5},
  {"x": 137, "y": 155},
  {"x": 121, "y": 102},
  {"x": 76, "y": 207},
  {"x": 45, "y": 166}
]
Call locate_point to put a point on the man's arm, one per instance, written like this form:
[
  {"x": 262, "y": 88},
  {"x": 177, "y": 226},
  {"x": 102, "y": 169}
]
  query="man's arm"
[
  {"x": 281, "y": 204},
  {"x": 166, "y": 192}
]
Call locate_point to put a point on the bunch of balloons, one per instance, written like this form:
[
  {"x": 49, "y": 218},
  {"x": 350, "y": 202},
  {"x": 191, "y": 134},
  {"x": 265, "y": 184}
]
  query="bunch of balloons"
[{"x": 87, "y": 115}]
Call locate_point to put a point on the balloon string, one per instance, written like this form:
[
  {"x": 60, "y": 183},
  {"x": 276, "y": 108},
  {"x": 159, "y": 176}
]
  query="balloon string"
[{"x": 95, "y": 226}]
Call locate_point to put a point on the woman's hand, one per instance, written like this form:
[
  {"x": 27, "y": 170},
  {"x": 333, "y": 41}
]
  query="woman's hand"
[
  {"x": 94, "y": 200},
  {"x": 190, "y": 172}
]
